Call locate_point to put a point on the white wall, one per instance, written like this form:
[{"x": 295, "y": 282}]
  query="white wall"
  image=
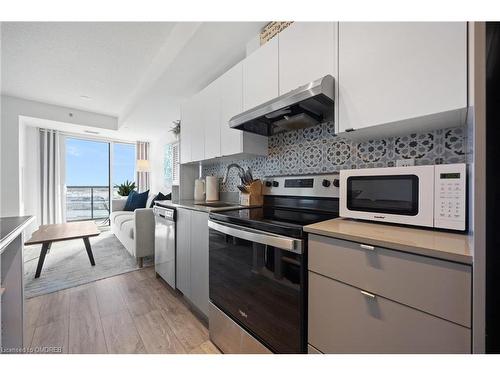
[
  {"x": 12, "y": 137},
  {"x": 30, "y": 174},
  {"x": 157, "y": 148}
]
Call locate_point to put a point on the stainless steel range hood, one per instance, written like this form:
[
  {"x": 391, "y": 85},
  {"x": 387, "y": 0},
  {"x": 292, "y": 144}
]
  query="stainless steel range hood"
[{"x": 303, "y": 107}]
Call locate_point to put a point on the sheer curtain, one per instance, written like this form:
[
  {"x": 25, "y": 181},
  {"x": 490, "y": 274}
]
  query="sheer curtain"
[
  {"x": 143, "y": 168},
  {"x": 51, "y": 177}
]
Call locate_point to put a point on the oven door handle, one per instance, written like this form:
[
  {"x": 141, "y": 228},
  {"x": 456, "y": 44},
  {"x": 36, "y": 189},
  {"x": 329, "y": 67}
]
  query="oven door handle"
[{"x": 286, "y": 243}]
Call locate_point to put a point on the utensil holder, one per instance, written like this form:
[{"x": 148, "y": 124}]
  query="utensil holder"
[{"x": 254, "y": 195}]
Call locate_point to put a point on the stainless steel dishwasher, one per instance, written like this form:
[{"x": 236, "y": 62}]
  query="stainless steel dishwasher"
[{"x": 165, "y": 243}]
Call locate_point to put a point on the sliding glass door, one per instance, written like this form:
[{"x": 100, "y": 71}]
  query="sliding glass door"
[
  {"x": 123, "y": 165},
  {"x": 94, "y": 168},
  {"x": 87, "y": 179}
]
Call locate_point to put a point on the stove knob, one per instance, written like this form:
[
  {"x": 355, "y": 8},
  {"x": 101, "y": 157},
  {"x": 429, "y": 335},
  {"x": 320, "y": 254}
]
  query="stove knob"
[
  {"x": 336, "y": 182},
  {"x": 276, "y": 184},
  {"x": 268, "y": 183},
  {"x": 326, "y": 183}
]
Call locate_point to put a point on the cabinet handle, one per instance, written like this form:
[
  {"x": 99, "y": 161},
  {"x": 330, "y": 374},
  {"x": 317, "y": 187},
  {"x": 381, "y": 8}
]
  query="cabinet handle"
[
  {"x": 367, "y": 247},
  {"x": 367, "y": 294}
]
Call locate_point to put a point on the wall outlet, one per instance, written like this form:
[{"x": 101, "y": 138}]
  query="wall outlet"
[{"x": 405, "y": 162}]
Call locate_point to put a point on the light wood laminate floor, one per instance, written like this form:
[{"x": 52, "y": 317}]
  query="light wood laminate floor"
[{"x": 130, "y": 313}]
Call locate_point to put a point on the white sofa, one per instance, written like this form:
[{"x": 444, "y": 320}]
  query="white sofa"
[{"x": 134, "y": 229}]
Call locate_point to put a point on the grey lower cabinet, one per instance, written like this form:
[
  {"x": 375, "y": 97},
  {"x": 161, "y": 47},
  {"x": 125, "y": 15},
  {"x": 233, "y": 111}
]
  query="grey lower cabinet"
[
  {"x": 192, "y": 257},
  {"x": 385, "y": 301},
  {"x": 183, "y": 251},
  {"x": 199, "y": 260}
]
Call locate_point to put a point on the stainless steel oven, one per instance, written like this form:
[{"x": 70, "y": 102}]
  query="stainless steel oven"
[{"x": 257, "y": 285}]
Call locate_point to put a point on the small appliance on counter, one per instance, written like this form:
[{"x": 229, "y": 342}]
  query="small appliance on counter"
[
  {"x": 429, "y": 195},
  {"x": 212, "y": 188},
  {"x": 199, "y": 189}
]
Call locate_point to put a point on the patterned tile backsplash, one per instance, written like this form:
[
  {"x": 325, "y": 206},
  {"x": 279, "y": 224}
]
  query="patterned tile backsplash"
[{"x": 317, "y": 150}]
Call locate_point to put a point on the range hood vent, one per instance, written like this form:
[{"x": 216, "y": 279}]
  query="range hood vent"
[{"x": 301, "y": 108}]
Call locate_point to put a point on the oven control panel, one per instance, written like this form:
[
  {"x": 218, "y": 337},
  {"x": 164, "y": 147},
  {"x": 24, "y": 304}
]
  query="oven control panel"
[
  {"x": 310, "y": 185},
  {"x": 450, "y": 196}
]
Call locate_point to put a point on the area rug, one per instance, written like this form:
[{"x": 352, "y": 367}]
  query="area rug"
[{"x": 67, "y": 264}]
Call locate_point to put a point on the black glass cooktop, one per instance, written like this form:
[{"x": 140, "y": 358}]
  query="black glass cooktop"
[{"x": 286, "y": 219}]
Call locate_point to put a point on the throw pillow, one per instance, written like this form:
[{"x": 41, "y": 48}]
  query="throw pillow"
[
  {"x": 128, "y": 203},
  {"x": 136, "y": 200},
  {"x": 160, "y": 197}
]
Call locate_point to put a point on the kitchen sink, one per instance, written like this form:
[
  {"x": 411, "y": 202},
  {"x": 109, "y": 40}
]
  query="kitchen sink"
[{"x": 217, "y": 204}]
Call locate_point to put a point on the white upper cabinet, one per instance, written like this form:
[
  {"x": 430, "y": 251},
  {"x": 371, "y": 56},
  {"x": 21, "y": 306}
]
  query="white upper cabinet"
[
  {"x": 210, "y": 117},
  {"x": 188, "y": 123},
  {"x": 231, "y": 95},
  {"x": 260, "y": 75},
  {"x": 205, "y": 131},
  {"x": 197, "y": 128},
  {"x": 307, "y": 51},
  {"x": 390, "y": 72},
  {"x": 233, "y": 141}
]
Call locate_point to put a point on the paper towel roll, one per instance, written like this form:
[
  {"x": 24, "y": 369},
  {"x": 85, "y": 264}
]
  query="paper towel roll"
[{"x": 212, "y": 188}]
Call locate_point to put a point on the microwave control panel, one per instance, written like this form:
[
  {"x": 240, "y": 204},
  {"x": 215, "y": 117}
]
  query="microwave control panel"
[{"x": 450, "y": 196}]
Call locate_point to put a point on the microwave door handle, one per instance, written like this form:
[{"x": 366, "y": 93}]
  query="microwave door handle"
[{"x": 286, "y": 243}]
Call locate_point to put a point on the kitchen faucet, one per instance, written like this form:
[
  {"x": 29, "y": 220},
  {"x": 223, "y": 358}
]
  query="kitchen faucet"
[{"x": 229, "y": 167}]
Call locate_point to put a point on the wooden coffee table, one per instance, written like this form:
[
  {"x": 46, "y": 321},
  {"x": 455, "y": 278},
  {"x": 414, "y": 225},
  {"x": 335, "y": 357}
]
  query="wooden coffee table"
[{"x": 46, "y": 234}]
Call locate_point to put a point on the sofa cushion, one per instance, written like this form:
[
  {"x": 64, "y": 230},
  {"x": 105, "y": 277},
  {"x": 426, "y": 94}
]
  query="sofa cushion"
[
  {"x": 127, "y": 228},
  {"x": 120, "y": 214},
  {"x": 121, "y": 219},
  {"x": 136, "y": 200}
]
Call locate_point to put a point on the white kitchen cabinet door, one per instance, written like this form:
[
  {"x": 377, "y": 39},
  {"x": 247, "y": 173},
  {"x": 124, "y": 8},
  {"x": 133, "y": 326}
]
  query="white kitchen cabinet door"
[
  {"x": 210, "y": 119},
  {"x": 188, "y": 122},
  {"x": 307, "y": 51},
  {"x": 197, "y": 128},
  {"x": 233, "y": 141},
  {"x": 260, "y": 75},
  {"x": 390, "y": 72},
  {"x": 231, "y": 95}
]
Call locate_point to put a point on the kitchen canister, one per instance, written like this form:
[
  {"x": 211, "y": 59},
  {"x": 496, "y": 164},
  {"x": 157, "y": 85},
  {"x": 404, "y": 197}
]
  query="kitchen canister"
[{"x": 199, "y": 189}]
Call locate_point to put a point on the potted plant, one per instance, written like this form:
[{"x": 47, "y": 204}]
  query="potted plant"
[
  {"x": 176, "y": 129},
  {"x": 125, "y": 188}
]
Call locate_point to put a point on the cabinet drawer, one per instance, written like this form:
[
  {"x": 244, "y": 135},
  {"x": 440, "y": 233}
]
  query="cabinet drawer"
[
  {"x": 438, "y": 287},
  {"x": 343, "y": 320}
]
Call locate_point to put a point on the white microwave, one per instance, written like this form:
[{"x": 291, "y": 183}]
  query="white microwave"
[{"x": 429, "y": 196}]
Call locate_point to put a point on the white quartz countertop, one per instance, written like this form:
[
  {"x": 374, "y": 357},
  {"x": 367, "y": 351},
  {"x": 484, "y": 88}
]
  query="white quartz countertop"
[
  {"x": 199, "y": 206},
  {"x": 11, "y": 227},
  {"x": 433, "y": 243}
]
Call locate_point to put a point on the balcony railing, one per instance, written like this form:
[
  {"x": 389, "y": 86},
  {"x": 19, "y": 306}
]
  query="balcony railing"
[{"x": 87, "y": 203}]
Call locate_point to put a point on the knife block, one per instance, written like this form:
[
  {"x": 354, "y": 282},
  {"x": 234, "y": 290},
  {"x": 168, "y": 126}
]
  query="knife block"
[{"x": 254, "y": 195}]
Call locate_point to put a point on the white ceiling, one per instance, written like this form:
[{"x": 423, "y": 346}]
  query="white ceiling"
[
  {"x": 58, "y": 62},
  {"x": 138, "y": 71},
  {"x": 213, "y": 49}
]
